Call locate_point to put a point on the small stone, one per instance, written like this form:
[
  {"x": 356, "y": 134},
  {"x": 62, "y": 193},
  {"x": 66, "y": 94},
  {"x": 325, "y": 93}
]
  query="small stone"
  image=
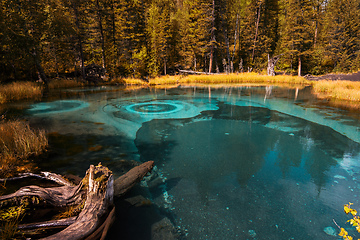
[
  {"x": 252, "y": 233},
  {"x": 339, "y": 177},
  {"x": 330, "y": 231}
]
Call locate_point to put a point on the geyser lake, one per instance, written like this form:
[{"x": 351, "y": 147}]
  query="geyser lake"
[{"x": 231, "y": 163}]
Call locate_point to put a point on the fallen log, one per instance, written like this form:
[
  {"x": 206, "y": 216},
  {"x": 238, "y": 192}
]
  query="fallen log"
[
  {"x": 97, "y": 189},
  {"x": 195, "y": 72},
  {"x": 129, "y": 179}
]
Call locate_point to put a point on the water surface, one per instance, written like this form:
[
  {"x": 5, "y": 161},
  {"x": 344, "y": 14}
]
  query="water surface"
[{"x": 231, "y": 163}]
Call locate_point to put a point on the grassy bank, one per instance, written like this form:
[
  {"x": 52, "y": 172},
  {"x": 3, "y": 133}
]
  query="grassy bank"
[
  {"x": 348, "y": 91},
  {"x": 338, "y": 90},
  {"x": 252, "y": 78},
  {"x": 20, "y": 91},
  {"x": 333, "y": 90},
  {"x": 65, "y": 83},
  {"x": 18, "y": 142}
]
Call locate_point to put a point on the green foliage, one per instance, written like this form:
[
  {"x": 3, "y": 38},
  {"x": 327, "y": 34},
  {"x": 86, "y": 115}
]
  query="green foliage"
[
  {"x": 342, "y": 27},
  {"x": 158, "y": 32},
  {"x": 152, "y": 37}
]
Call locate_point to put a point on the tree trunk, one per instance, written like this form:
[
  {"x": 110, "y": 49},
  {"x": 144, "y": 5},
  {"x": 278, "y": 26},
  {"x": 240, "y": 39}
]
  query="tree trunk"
[
  {"x": 196, "y": 72},
  {"x": 39, "y": 68},
  {"x": 256, "y": 32},
  {"x": 271, "y": 64},
  {"x": 227, "y": 67},
  {"x": 101, "y": 35},
  {"x": 77, "y": 23},
  {"x": 235, "y": 36},
  {"x": 299, "y": 67},
  {"x": 212, "y": 40}
]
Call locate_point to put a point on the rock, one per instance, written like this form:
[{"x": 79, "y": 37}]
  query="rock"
[
  {"x": 252, "y": 233},
  {"x": 330, "y": 231},
  {"x": 163, "y": 230}
]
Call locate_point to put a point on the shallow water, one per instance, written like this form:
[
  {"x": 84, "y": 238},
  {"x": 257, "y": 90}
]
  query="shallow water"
[{"x": 231, "y": 163}]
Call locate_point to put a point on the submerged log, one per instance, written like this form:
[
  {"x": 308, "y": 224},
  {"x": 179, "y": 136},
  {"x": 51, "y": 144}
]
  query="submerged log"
[
  {"x": 97, "y": 190},
  {"x": 129, "y": 179}
]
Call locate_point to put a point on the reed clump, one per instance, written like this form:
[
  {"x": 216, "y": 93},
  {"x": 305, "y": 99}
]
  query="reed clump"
[
  {"x": 18, "y": 142},
  {"x": 338, "y": 90},
  {"x": 19, "y": 91}
]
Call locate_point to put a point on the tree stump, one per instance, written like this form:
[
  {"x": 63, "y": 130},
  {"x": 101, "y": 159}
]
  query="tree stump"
[
  {"x": 271, "y": 64},
  {"x": 95, "y": 193}
]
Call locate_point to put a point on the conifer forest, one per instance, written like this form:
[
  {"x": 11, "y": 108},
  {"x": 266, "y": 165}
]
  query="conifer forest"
[{"x": 148, "y": 38}]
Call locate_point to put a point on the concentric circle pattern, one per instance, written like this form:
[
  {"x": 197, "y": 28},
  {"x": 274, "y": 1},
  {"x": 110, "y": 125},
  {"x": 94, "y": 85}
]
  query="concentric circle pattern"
[
  {"x": 57, "y": 106},
  {"x": 154, "y": 108}
]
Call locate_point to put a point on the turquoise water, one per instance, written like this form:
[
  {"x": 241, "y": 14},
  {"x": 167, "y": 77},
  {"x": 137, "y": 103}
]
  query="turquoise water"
[{"x": 231, "y": 163}]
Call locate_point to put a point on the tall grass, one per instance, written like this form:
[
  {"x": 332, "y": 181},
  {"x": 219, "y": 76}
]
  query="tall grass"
[
  {"x": 18, "y": 142},
  {"x": 338, "y": 90},
  {"x": 10, "y": 219},
  {"x": 65, "y": 83},
  {"x": 252, "y": 78},
  {"x": 134, "y": 81},
  {"x": 19, "y": 91}
]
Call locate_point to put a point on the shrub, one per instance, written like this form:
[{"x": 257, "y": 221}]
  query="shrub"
[{"x": 17, "y": 144}]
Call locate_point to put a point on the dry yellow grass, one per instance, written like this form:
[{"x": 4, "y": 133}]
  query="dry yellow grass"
[
  {"x": 134, "y": 81},
  {"x": 19, "y": 91},
  {"x": 253, "y": 78},
  {"x": 65, "y": 83},
  {"x": 17, "y": 143},
  {"x": 338, "y": 90}
]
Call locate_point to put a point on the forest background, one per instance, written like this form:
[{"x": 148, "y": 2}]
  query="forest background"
[{"x": 148, "y": 38}]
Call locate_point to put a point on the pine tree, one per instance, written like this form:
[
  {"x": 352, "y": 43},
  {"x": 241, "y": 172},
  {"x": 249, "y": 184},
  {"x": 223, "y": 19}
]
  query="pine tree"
[
  {"x": 158, "y": 32},
  {"x": 342, "y": 29},
  {"x": 194, "y": 24},
  {"x": 24, "y": 34},
  {"x": 297, "y": 30}
]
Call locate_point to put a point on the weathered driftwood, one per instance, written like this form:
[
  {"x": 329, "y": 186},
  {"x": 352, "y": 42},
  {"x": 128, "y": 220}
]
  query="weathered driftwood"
[
  {"x": 42, "y": 175},
  {"x": 55, "y": 196},
  {"x": 60, "y": 223},
  {"x": 99, "y": 199},
  {"x": 98, "y": 213},
  {"x": 129, "y": 179}
]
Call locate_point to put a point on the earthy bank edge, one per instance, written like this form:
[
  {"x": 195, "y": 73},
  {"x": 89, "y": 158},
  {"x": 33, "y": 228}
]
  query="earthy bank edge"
[{"x": 325, "y": 85}]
